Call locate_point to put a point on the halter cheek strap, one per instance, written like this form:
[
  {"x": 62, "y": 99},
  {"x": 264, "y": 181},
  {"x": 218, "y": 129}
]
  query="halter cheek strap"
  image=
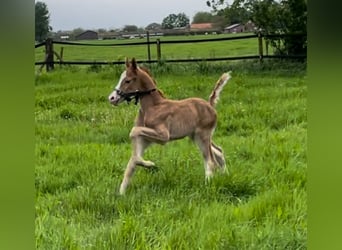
[{"x": 135, "y": 94}]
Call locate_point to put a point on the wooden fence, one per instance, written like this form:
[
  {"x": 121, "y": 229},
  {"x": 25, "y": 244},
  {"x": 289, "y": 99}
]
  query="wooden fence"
[{"x": 50, "y": 53}]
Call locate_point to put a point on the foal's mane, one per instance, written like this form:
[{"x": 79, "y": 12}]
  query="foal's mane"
[{"x": 147, "y": 71}]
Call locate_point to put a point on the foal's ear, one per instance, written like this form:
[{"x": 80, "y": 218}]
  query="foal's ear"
[
  {"x": 131, "y": 64},
  {"x": 134, "y": 64},
  {"x": 127, "y": 62}
]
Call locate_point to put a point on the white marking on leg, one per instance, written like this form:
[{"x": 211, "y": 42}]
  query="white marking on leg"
[
  {"x": 219, "y": 158},
  {"x": 208, "y": 169}
]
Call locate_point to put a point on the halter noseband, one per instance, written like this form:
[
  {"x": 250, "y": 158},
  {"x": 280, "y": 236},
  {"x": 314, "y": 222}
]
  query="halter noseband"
[{"x": 135, "y": 94}]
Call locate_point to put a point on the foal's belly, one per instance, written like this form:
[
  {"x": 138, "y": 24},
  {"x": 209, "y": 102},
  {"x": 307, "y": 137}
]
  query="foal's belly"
[{"x": 179, "y": 130}]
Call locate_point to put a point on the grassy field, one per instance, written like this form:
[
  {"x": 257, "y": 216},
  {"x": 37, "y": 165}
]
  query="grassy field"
[
  {"x": 82, "y": 148},
  {"x": 169, "y": 51}
]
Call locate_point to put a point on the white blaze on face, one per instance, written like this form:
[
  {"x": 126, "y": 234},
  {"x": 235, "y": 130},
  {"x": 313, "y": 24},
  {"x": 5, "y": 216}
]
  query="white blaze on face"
[{"x": 114, "y": 97}]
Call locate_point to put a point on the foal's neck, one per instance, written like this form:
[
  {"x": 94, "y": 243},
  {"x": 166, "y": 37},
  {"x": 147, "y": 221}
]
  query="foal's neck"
[
  {"x": 153, "y": 98},
  {"x": 150, "y": 100}
]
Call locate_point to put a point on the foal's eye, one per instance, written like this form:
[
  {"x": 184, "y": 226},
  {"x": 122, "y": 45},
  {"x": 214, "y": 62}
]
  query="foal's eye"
[{"x": 127, "y": 81}]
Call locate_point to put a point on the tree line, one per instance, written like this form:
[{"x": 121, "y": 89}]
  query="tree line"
[{"x": 271, "y": 17}]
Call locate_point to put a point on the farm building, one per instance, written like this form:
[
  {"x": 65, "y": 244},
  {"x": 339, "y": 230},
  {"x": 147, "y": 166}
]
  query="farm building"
[
  {"x": 201, "y": 26},
  {"x": 238, "y": 27},
  {"x": 87, "y": 35},
  {"x": 204, "y": 28},
  {"x": 108, "y": 35},
  {"x": 235, "y": 28}
]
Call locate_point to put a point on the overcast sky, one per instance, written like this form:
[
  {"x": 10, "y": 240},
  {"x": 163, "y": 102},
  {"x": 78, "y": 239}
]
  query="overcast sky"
[{"x": 108, "y": 14}]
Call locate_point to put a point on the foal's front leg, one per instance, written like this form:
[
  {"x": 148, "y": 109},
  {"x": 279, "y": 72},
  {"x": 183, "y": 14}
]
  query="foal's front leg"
[
  {"x": 127, "y": 176},
  {"x": 139, "y": 144},
  {"x": 158, "y": 135},
  {"x": 138, "y": 147},
  {"x": 141, "y": 137}
]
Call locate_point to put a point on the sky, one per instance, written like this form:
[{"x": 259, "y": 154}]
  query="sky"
[{"x": 110, "y": 14}]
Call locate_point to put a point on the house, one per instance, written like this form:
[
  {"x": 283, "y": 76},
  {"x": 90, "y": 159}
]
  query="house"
[
  {"x": 201, "y": 26},
  {"x": 235, "y": 28},
  {"x": 204, "y": 28},
  {"x": 64, "y": 37},
  {"x": 61, "y": 35},
  {"x": 108, "y": 35},
  {"x": 88, "y": 35}
]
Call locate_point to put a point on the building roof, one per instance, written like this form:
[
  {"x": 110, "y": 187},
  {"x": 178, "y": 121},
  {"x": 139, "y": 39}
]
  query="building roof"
[
  {"x": 201, "y": 26},
  {"x": 87, "y": 32},
  {"x": 232, "y": 26}
]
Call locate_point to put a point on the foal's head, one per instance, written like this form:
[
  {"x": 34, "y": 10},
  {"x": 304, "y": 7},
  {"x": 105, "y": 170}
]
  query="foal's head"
[{"x": 133, "y": 82}]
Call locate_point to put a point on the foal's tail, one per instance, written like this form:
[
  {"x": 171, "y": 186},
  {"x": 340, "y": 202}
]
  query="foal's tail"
[{"x": 214, "y": 96}]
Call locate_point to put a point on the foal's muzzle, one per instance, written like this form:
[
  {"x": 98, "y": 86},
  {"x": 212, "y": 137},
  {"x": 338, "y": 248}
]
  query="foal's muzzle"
[{"x": 116, "y": 97}]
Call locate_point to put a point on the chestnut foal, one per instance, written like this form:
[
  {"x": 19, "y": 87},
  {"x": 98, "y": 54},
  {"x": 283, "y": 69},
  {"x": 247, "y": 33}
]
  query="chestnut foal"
[{"x": 161, "y": 120}]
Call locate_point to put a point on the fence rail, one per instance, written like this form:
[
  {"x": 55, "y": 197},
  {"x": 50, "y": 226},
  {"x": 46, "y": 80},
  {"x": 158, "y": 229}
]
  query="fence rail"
[{"x": 50, "y": 62}]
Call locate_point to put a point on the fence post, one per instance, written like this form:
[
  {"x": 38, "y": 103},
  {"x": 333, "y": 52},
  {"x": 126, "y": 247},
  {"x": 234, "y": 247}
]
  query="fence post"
[
  {"x": 260, "y": 46},
  {"x": 148, "y": 46},
  {"x": 61, "y": 54},
  {"x": 158, "y": 50},
  {"x": 49, "y": 54},
  {"x": 266, "y": 45}
]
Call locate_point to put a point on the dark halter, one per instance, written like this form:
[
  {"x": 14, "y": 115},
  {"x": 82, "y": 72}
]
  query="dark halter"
[{"x": 134, "y": 95}]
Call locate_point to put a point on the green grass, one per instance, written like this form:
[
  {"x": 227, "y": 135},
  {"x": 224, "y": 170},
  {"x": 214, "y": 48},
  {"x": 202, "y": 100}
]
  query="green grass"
[
  {"x": 169, "y": 51},
  {"x": 82, "y": 148}
]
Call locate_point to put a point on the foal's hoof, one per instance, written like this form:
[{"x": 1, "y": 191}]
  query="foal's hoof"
[
  {"x": 122, "y": 189},
  {"x": 224, "y": 170},
  {"x": 146, "y": 164},
  {"x": 208, "y": 177},
  {"x": 149, "y": 164}
]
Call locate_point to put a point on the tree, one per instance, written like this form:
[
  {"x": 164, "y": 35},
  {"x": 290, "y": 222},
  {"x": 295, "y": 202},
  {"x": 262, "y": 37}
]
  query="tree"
[
  {"x": 102, "y": 30},
  {"x": 284, "y": 17},
  {"x": 218, "y": 20},
  {"x": 236, "y": 13},
  {"x": 130, "y": 28},
  {"x": 42, "y": 17},
  {"x": 272, "y": 17},
  {"x": 202, "y": 17},
  {"x": 169, "y": 21},
  {"x": 175, "y": 21},
  {"x": 296, "y": 22},
  {"x": 153, "y": 26},
  {"x": 75, "y": 32},
  {"x": 182, "y": 20}
]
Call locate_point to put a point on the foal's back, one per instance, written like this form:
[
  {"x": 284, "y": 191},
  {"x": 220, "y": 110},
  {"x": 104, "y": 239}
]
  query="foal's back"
[{"x": 181, "y": 117}]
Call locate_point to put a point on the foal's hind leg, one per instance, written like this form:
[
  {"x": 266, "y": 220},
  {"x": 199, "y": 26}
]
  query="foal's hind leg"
[
  {"x": 219, "y": 157},
  {"x": 203, "y": 142}
]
